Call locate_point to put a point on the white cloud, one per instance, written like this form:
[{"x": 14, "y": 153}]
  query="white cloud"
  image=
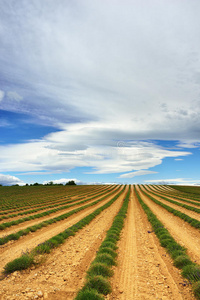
[
  {"x": 137, "y": 173},
  {"x": 64, "y": 181},
  {"x": 77, "y": 181},
  {"x": 62, "y": 151},
  {"x": 132, "y": 77},
  {"x": 14, "y": 96},
  {"x": 188, "y": 144},
  {"x": 138, "y": 68},
  {"x": 177, "y": 181},
  {"x": 2, "y": 93},
  {"x": 10, "y": 180}
]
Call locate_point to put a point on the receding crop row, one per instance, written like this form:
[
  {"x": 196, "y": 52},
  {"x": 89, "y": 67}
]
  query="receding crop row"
[
  {"x": 26, "y": 196},
  {"x": 193, "y": 222},
  {"x": 194, "y": 190},
  {"x": 34, "y": 228},
  {"x": 173, "y": 196},
  {"x": 190, "y": 270},
  {"x": 192, "y": 208},
  {"x": 97, "y": 283},
  {"x": 29, "y": 259},
  {"x": 186, "y": 196},
  {"x": 192, "y": 201},
  {"x": 22, "y": 197},
  {"x": 56, "y": 203},
  {"x": 40, "y": 206},
  {"x": 176, "y": 194},
  {"x": 45, "y": 213}
]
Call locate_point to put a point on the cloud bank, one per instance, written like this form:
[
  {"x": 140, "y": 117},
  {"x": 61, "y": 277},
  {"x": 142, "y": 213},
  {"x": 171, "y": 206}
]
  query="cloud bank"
[
  {"x": 109, "y": 87},
  {"x": 10, "y": 180}
]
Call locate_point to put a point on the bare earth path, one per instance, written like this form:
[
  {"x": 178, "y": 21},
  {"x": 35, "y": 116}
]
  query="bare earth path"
[
  {"x": 144, "y": 270},
  {"x": 182, "y": 232},
  {"x": 63, "y": 272}
]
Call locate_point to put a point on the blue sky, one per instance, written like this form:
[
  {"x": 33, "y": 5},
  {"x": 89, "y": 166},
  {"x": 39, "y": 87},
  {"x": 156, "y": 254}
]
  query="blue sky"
[{"x": 99, "y": 91}]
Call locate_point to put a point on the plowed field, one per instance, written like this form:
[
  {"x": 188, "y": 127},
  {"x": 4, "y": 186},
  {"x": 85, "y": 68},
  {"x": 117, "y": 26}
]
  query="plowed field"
[{"x": 144, "y": 269}]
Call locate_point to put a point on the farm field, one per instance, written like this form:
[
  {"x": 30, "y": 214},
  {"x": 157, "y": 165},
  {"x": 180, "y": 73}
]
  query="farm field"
[{"x": 58, "y": 231}]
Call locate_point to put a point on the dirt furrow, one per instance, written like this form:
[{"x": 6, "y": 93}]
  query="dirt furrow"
[
  {"x": 182, "y": 232},
  {"x": 142, "y": 273},
  {"x": 16, "y": 228},
  {"x": 13, "y": 250},
  {"x": 63, "y": 272}
]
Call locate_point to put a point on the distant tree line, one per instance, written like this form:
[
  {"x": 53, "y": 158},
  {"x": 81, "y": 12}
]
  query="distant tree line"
[
  {"x": 71, "y": 182},
  {"x": 50, "y": 183}
]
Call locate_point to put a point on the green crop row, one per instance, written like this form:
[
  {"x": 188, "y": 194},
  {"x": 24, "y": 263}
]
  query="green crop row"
[
  {"x": 97, "y": 283},
  {"x": 23, "y": 197},
  {"x": 46, "y": 213},
  {"x": 192, "y": 208},
  {"x": 176, "y": 194},
  {"x": 28, "y": 259},
  {"x": 173, "y": 196},
  {"x": 17, "y": 235},
  {"x": 195, "y": 190},
  {"x": 190, "y": 270},
  {"x": 35, "y": 206},
  {"x": 193, "y": 222},
  {"x": 56, "y": 203},
  {"x": 41, "y": 207}
]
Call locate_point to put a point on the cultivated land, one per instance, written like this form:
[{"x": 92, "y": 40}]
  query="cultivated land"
[{"x": 157, "y": 254}]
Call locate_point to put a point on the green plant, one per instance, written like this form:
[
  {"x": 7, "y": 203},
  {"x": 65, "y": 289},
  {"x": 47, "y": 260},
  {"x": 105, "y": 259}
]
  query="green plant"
[
  {"x": 108, "y": 244},
  {"x": 181, "y": 261},
  {"x": 196, "y": 289},
  {"x": 21, "y": 263},
  {"x": 99, "y": 269},
  {"x": 89, "y": 294},
  {"x": 191, "y": 272},
  {"x": 105, "y": 258},
  {"x": 108, "y": 251},
  {"x": 100, "y": 284}
]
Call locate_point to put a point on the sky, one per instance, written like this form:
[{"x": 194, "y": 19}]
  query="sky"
[{"x": 100, "y": 91}]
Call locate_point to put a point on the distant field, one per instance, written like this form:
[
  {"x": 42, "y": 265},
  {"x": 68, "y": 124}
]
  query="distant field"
[
  {"x": 187, "y": 189},
  {"x": 144, "y": 237}
]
